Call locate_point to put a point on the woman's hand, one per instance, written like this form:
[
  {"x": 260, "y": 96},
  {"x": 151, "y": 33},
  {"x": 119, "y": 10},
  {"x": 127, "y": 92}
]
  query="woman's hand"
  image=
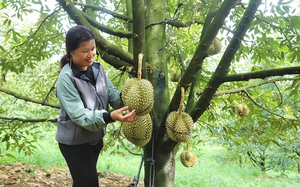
[{"x": 118, "y": 115}]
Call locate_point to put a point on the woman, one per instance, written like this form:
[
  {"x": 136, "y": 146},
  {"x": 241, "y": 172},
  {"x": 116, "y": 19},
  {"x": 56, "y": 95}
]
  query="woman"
[{"x": 84, "y": 93}]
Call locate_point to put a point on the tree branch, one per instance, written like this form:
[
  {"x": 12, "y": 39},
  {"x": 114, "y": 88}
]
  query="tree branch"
[
  {"x": 262, "y": 74},
  {"x": 178, "y": 23},
  {"x": 238, "y": 90},
  {"x": 201, "y": 51},
  {"x": 222, "y": 69},
  {"x": 138, "y": 14},
  {"x": 198, "y": 75},
  {"x": 32, "y": 35},
  {"x": 105, "y": 29},
  {"x": 260, "y": 106},
  {"x": 109, "y": 12},
  {"x": 117, "y": 63},
  {"x": 29, "y": 120},
  {"x": 19, "y": 96},
  {"x": 243, "y": 89}
]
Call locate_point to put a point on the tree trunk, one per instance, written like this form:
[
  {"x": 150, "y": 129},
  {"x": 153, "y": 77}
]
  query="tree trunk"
[
  {"x": 160, "y": 168},
  {"x": 166, "y": 175},
  {"x": 160, "y": 172}
]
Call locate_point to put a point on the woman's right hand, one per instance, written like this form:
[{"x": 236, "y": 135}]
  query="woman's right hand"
[{"x": 117, "y": 115}]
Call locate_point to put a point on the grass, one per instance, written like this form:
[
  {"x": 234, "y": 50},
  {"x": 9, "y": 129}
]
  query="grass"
[{"x": 209, "y": 172}]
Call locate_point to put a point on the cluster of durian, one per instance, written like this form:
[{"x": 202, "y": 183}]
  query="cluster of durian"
[
  {"x": 179, "y": 125},
  {"x": 215, "y": 47},
  {"x": 138, "y": 95},
  {"x": 188, "y": 158},
  {"x": 242, "y": 109}
]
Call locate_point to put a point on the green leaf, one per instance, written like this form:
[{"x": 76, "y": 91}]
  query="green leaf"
[
  {"x": 296, "y": 96},
  {"x": 7, "y": 36},
  {"x": 287, "y": 2},
  {"x": 2, "y": 48},
  {"x": 5, "y": 138}
]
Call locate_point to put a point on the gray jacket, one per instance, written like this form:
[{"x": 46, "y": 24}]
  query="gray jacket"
[{"x": 84, "y": 106}]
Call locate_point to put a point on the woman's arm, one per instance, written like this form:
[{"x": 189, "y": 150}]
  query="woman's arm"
[{"x": 114, "y": 96}]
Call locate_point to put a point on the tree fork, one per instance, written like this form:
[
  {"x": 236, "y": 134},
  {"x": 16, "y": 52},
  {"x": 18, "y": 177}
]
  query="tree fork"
[
  {"x": 192, "y": 69},
  {"x": 222, "y": 69}
]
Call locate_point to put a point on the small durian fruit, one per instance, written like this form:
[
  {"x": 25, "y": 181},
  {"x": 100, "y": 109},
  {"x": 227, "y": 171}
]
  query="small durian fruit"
[
  {"x": 138, "y": 131},
  {"x": 188, "y": 158},
  {"x": 215, "y": 47},
  {"x": 242, "y": 109},
  {"x": 175, "y": 77},
  {"x": 137, "y": 93},
  {"x": 179, "y": 125}
]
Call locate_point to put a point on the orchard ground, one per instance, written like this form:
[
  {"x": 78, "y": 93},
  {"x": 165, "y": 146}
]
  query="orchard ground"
[{"x": 24, "y": 175}]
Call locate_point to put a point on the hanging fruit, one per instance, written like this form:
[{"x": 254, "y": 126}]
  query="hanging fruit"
[
  {"x": 137, "y": 93},
  {"x": 179, "y": 124}
]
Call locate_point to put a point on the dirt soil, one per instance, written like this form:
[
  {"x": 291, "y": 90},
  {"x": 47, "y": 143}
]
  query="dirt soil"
[{"x": 21, "y": 175}]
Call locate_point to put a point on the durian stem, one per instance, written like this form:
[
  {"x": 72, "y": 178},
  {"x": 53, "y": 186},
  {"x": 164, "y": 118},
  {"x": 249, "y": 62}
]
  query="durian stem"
[
  {"x": 181, "y": 101},
  {"x": 140, "y": 63}
]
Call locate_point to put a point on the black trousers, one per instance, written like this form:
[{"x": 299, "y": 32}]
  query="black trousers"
[{"x": 82, "y": 161}]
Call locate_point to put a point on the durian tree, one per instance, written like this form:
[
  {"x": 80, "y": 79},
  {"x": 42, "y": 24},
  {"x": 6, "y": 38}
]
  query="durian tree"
[{"x": 211, "y": 49}]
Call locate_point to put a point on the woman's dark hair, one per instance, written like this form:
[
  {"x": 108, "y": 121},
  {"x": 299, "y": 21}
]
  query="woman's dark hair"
[{"x": 74, "y": 37}]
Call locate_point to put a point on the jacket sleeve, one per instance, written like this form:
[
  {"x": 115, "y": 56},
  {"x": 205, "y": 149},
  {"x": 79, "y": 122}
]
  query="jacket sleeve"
[
  {"x": 115, "y": 100},
  {"x": 70, "y": 101}
]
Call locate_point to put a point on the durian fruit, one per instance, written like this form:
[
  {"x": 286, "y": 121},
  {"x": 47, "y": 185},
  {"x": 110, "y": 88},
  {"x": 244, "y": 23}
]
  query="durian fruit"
[
  {"x": 215, "y": 47},
  {"x": 179, "y": 125},
  {"x": 138, "y": 131},
  {"x": 242, "y": 109},
  {"x": 188, "y": 158},
  {"x": 137, "y": 93},
  {"x": 175, "y": 77}
]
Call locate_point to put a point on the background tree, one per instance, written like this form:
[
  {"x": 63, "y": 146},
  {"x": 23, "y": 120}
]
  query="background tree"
[{"x": 258, "y": 61}]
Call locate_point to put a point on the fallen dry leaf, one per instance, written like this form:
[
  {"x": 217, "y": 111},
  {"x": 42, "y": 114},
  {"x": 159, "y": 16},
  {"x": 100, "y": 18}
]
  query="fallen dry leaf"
[{"x": 21, "y": 175}]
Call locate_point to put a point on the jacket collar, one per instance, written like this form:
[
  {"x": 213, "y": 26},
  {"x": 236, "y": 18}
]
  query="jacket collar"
[{"x": 94, "y": 68}]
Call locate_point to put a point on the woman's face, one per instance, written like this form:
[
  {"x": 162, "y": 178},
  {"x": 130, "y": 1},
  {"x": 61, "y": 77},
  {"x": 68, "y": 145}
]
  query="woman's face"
[{"x": 84, "y": 55}]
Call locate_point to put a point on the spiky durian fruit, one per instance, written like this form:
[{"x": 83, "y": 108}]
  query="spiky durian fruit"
[
  {"x": 179, "y": 126},
  {"x": 175, "y": 77},
  {"x": 137, "y": 93},
  {"x": 242, "y": 109},
  {"x": 138, "y": 131},
  {"x": 215, "y": 47},
  {"x": 188, "y": 158}
]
